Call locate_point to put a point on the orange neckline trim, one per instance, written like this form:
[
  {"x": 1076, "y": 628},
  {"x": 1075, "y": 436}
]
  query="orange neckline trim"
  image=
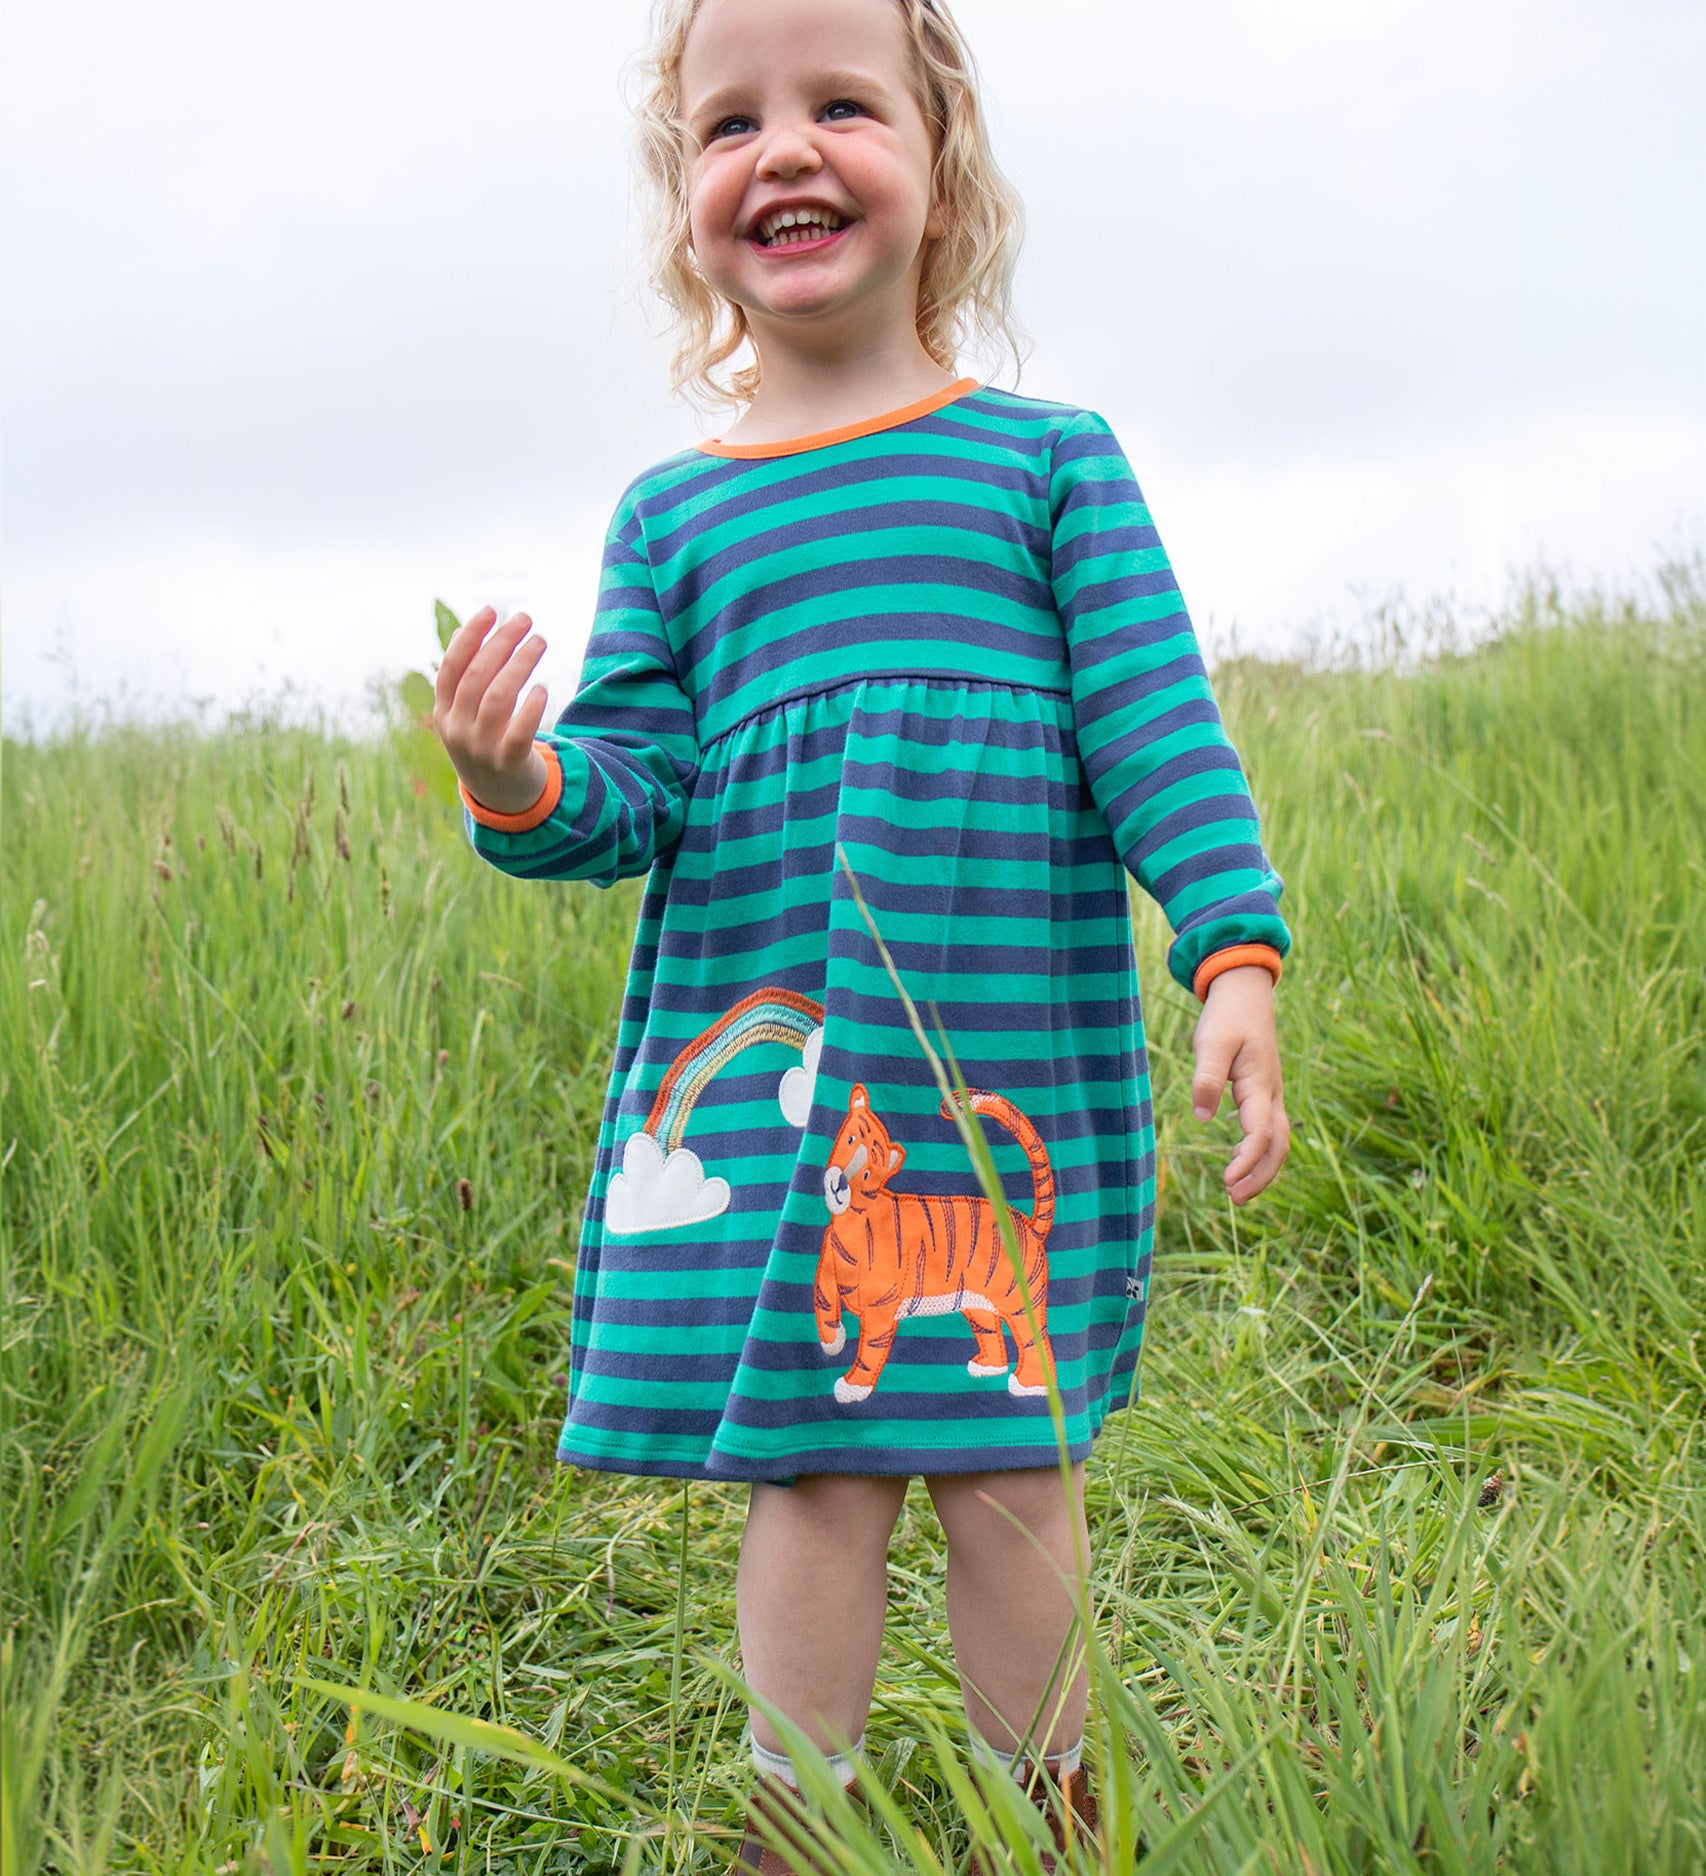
[{"x": 845, "y": 432}]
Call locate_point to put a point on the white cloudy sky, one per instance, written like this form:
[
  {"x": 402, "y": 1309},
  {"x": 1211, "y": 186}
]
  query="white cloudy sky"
[{"x": 316, "y": 311}]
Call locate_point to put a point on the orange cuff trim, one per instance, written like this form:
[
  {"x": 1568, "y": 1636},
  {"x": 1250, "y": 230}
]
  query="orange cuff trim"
[
  {"x": 1230, "y": 959},
  {"x": 542, "y": 809}
]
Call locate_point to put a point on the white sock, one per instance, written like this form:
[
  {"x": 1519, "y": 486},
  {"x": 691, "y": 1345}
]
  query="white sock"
[
  {"x": 986, "y": 1755},
  {"x": 1058, "y": 1763},
  {"x": 779, "y": 1765}
]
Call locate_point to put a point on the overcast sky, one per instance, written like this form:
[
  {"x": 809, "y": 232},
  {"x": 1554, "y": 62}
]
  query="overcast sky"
[{"x": 316, "y": 312}]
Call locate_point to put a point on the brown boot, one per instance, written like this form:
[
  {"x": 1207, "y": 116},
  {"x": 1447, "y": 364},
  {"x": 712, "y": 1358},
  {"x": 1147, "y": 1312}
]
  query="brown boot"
[
  {"x": 1068, "y": 1803},
  {"x": 777, "y": 1801}
]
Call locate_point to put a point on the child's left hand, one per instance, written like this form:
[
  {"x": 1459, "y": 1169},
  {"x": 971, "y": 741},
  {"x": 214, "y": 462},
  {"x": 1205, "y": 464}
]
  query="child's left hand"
[{"x": 1235, "y": 1037}]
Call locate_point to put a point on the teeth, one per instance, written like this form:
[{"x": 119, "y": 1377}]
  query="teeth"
[{"x": 822, "y": 218}]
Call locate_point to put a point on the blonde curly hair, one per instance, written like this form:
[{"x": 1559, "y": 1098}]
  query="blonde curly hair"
[{"x": 966, "y": 289}]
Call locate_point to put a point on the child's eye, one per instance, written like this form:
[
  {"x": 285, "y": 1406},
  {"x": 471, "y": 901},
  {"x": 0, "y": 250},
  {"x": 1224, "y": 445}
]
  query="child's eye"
[{"x": 834, "y": 104}]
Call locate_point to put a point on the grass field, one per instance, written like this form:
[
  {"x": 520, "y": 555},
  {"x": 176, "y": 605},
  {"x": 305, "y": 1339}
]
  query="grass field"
[{"x": 1398, "y": 1560}]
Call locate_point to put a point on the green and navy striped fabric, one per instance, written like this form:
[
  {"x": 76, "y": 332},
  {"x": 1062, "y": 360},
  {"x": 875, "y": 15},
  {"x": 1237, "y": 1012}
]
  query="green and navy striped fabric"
[{"x": 950, "y": 646}]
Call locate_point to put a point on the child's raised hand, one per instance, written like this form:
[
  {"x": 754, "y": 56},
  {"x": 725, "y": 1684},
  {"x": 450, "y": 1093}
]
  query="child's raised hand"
[
  {"x": 1235, "y": 1038},
  {"x": 489, "y": 741}
]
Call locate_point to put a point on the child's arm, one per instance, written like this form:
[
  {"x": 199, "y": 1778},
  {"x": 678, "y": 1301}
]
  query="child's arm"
[
  {"x": 1168, "y": 781},
  {"x": 604, "y": 794}
]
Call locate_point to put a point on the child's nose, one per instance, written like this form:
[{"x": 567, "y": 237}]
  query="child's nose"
[{"x": 789, "y": 149}]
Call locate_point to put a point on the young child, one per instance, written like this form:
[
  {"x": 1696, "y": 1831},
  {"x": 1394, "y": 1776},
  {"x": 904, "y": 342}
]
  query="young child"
[{"x": 904, "y": 615}]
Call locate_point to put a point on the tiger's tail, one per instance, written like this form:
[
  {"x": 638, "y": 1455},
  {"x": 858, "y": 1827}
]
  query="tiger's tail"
[{"x": 1018, "y": 1124}]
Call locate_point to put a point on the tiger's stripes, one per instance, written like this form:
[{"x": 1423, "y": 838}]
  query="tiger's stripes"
[{"x": 889, "y": 1255}]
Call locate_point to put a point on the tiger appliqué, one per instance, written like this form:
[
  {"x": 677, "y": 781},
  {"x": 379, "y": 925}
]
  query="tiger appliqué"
[{"x": 888, "y": 1255}]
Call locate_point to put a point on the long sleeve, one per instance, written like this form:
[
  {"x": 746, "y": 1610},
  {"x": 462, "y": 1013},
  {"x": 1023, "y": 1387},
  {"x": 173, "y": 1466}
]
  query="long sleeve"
[
  {"x": 1167, "y": 780},
  {"x": 624, "y": 754}
]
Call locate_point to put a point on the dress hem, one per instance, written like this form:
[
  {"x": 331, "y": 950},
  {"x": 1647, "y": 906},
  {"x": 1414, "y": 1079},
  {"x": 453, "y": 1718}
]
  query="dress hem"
[{"x": 844, "y": 1460}]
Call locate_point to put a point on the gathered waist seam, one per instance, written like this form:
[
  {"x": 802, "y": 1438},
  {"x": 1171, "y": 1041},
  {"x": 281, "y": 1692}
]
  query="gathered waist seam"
[{"x": 878, "y": 677}]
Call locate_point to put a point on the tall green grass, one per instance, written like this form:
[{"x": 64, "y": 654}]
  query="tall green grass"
[{"x": 1397, "y": 1561}]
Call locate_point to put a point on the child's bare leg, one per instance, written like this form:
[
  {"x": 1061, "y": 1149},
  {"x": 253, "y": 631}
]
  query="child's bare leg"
[
  {"x": 810, "y": 1595},
  {"x": 1008, "y": 1610}
]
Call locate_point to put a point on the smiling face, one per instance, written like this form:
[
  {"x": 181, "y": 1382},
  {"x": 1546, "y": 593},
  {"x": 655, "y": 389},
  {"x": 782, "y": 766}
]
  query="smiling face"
[{"x": 806, "y": 103}]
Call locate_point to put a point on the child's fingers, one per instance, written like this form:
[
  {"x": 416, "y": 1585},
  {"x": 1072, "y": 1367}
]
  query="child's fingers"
[
  {"x": 1258, "y": 1179},
  {"x": 497, "y": 708},
  {"x": 523, "y": 727},
  {"x": 1267, "y": 1141},
  {"x": 464, "y": 716},
  {"x": 1235, "y": 1040},
  {"x": 533, "y": 713},
  {"x": 488, "y": 663},
  {"x": 459, "y": 653},
  {"x": 1214, "y": 1064}
]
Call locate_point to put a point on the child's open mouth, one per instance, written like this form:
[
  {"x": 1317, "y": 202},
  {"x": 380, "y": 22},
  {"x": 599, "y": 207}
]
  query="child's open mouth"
[{"x": 806, "y": 240}]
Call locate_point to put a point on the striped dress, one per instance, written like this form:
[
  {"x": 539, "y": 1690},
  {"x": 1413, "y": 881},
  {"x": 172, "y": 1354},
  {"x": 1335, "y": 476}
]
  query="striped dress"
[{"x": 941, "y": 650}]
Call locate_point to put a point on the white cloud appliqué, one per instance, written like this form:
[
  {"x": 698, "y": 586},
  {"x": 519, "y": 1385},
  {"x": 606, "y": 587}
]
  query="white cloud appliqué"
[
  {"x": 795, "y": 1092},
  {"x": 653, "y": 1193}
]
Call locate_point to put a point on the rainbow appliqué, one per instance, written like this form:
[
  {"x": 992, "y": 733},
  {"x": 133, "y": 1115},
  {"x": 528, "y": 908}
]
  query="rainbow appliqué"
[{"x": 662, "y": 1183}]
